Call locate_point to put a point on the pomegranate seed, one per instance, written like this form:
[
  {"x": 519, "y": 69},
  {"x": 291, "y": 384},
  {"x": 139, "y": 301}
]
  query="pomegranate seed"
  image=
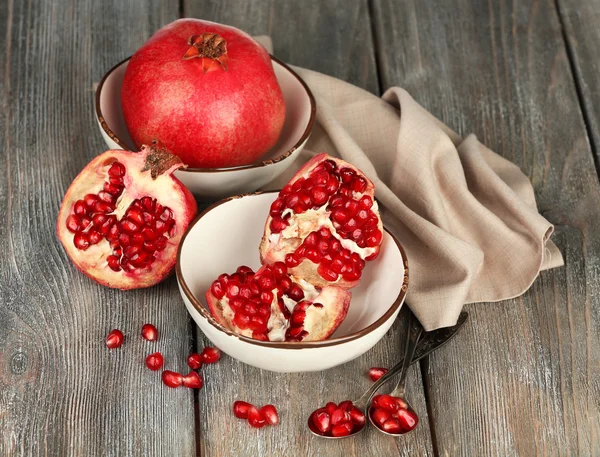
[
  {"x": 210, "y": 355},
  {"x": 172, "y": 379},
  {"x": 116, "y": 170},
  {"x": 346, "y": 175},
  {"x": 327, "y": 273},
  {"x": 240, "y": 409},
  {"x": 376, "y": 372},
  {"x": 298, "y": 318},
  {"x": 330, "y": 407},
  {"x": 379, "y": 416},
  {"x": 401, "y": 403},
  {"x": 342, "y": 429},
  {"x": 80, "y": 240},
  {"x": 339, "y": 415},
  {"x": 296, "y": 293},
  {"x": 74, "y": 225},
  {"x": 278, "y": 224},
  {"x": 279, "y": 269},
  {"x": 346, "y": 405},
  {"x": 276, "y": 207},
  {"x": 285, "y": 284},
  {"x": 322, "y": 421},
  {"x": 114, "y": 339},
  {"x": 291, "y": 260},
  {"x": 217, "y": 289},
  {"x": 359, "y": 184},
  {"x": 255, "y": 418},
  {"x": 366, "y": 202},
  {"x": 149, "y": 332},
  {"x": 194, "y": 361},
  {"x": 408, "y": 419},
  {"x": 391, "y": 426},
  {"x": 357, "y": 416},
  {"x": 374, "y": 239},
  {"x": 270, "y": 414},
  {"x": 386, "y": 401},
  {"x": 319, "y": 195},
  {"x": 193, "y": 380},
  {"x": 154, "y": 361}
]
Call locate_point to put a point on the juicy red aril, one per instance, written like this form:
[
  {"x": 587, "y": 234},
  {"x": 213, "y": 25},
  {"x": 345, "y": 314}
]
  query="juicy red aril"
[
  {"x": 194, "y": 361},
  {"x": 114, "y": 339},
  {"x": 387, "y": 402},
  {"x": 255, "y": 418},
  {"x": 172, "y": 378},
  {"x": 376, "y": 372},
  {"x": 379, "y": 416},
  {"x": 193, "y": 380},
  {"x": 357, "y": 416},
  {"x": 339, "y": 415},
  {"x": 408, "y": 419},
  {"x": 240, "y": 409},
  {"x": 330, "y": 407},
  {"x": 391, "y": 426},
  {"x": 210, "y": 355},
  {"x": 269, "y": 412},
  {"x": 149, "y": 332},
  {"x": 321, "y": 420},
  {"x": 342, "y": 429},
  {"x": 155, "y": 361}
]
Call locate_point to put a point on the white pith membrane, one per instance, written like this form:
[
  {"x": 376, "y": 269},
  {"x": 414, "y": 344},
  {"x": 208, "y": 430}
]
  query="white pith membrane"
[
  {"x": 319, "y": 322},
  {"x": 137, "y": 184},
  {"x": 275, "y": 246}
]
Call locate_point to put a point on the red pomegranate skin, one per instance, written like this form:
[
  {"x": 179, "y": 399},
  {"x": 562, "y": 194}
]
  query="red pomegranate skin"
[{"x": 221, "y": 118}]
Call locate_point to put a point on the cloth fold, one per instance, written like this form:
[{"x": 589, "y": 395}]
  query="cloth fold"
[{"x": 465, "y": 215}]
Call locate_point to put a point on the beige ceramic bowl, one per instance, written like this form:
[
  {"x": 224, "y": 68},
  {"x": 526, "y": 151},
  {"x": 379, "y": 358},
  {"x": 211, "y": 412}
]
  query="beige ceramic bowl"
[
  {"x": 211, "y": 183},
  {"x": 227, "y": 235}
]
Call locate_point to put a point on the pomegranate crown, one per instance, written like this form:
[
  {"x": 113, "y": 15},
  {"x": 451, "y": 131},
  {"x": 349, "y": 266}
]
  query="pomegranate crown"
[
  {"x": 210, "y": 47},
  {"x": 159, "y": 160}
]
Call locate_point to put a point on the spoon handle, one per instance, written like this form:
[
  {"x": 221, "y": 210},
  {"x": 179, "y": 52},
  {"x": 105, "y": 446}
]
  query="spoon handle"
[
  {"x": 429, "y": 343},
  {"x": 415, "y": 329}
]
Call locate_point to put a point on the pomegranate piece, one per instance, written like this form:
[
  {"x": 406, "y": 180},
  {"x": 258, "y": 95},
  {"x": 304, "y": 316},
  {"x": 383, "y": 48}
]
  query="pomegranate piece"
[
  {"x": 240, "y": 409},
  {"x": 269, "y": 412},
  {"x": 155, "y": 361},
  {"x": 193, "y": 380},
  {"x": 272, "y": 305},
  {"x": 123, "y": 217},
  {"x": 337, "y": 420},
  {"x": 391, "y": 426},
  {"x": 255, "y": 417},
  {"x": 149, "y": 332},
  {"x": 210, "y": 355},
  {"x": 386, "y": 402},
  {"x": 184, "y": 88},
  {"x": 324, "y": 224},
  {"x": 194, "y": 361},
  {"x": 172, "y": 378},
  {"x": 376, "y": 372},
  {"x": 379, "y": 416},
  {"x": 114, "y": 339}
]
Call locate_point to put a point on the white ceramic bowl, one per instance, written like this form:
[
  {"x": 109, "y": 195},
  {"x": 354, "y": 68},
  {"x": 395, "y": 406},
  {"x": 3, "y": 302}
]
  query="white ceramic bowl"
[
  {"x": 211, "y": 183},
  {"x": 228, "y": 234}
]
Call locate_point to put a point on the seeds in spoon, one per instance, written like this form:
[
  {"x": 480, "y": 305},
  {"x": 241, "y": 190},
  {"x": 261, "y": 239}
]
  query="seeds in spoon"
[
  {"x": 337, "y": 420},
  {"x": 392, "y": 414}
]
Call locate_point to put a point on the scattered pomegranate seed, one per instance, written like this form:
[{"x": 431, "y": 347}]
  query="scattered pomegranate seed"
[
  {"x": 149, "y": 332},
  {"x": 269, "y": 412},
  {"x": 193, "y": 380},
  {"x": 172, "y": 379},
  {"x": 114, "y": 339},
  {"x": 210, "y": 355},
  {"x": 377, "y": 372},
  {"x": 255, "y": 418},
  {"x": 240, "y": 409},
  {"x": 154, "y": 361},
  {"x": 337, "y": 420},
  {"x": 194, "y": 361}
]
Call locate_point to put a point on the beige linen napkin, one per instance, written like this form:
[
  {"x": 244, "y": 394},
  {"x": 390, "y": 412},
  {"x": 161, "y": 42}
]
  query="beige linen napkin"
[{"x": 466, "y": 216}]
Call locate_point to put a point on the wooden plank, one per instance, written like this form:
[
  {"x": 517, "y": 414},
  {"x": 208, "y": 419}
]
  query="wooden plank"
[
  {"x": 524, "y": 381},
  {"x": 331, "y": 37},
  {"x": 61, "y": 391},
  {"x": 580, "y": 20}
]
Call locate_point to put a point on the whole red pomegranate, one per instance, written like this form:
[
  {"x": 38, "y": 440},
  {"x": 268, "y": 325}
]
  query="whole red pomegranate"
[
  {"x": 123, "y": 216},
  {"x": 324, "y": 223},
  {"x": 207, "y": 91},
  {"x": 271, "y": 305}
]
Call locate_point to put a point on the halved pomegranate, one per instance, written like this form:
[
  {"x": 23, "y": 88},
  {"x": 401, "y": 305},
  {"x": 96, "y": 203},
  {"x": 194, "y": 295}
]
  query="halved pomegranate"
[
  {"x": 324, "y": 224},
  {"x": 123, "y": 216},
  {"x": 271, "y": 305}
]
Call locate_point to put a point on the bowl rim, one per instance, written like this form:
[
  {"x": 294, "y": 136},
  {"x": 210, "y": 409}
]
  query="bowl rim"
[
  {"x": 313, "y": 110},
  {"x": 283, "y": 344}
]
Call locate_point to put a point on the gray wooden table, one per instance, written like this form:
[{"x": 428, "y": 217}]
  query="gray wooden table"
[{"x": 521, "y": 379}]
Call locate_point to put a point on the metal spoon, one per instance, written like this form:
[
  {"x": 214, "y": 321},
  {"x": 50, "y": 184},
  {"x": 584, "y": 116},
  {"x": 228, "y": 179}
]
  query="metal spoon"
[
  {"x": 428, "y": 343},
  {"x": 412, "y": 338}
]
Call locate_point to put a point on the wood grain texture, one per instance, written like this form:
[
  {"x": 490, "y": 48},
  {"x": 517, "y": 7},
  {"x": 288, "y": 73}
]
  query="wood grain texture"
[
  {"x": 524, "y": 380},
  {"x": 581, "y": 22},
  {"x": 332, "y": 37},
  {"x": 61, "y": 391}
]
